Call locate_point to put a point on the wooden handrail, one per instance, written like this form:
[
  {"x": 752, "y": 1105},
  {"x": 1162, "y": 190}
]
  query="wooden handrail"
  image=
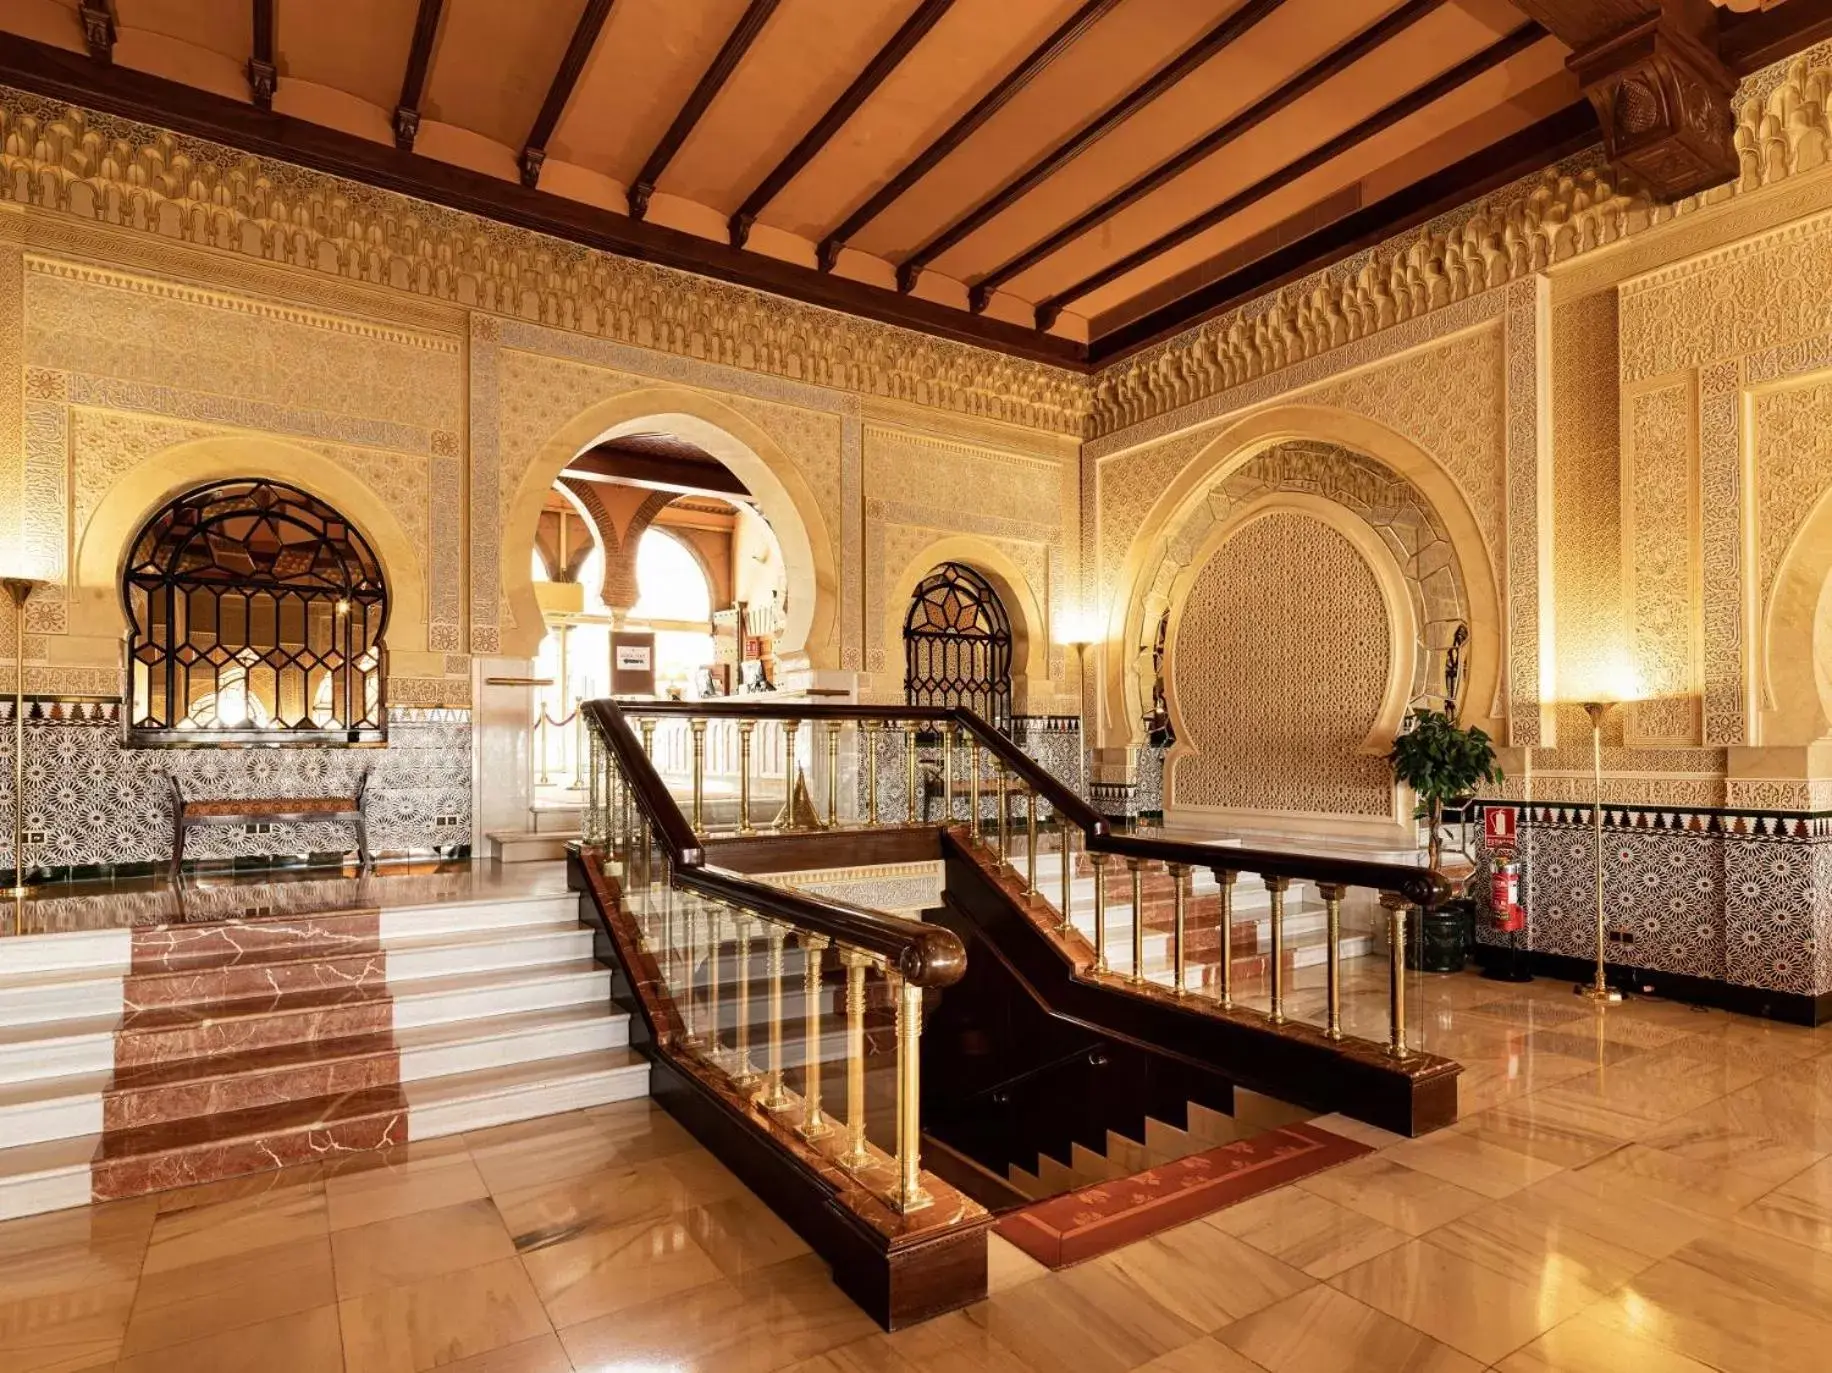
[
  {"x": 924, "y": 955},
  {"x": 1424, "y": 887}
]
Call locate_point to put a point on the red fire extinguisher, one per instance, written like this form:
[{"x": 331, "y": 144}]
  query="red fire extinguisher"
[{"x": 1504, "y": 896}]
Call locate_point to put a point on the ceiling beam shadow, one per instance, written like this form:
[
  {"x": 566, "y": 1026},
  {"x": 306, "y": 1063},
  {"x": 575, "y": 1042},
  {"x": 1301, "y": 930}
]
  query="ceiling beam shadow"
[
  {"x": 1382, "y": 119},
  {"x": 413, "y": 80},
  {"x": 1238, "y": 23},
  {"x": 560, "y": 89},
  {"x": 262, "y": 74},
  {"x": 902, "y": 43},
  {"x": 98, "y": 29}
]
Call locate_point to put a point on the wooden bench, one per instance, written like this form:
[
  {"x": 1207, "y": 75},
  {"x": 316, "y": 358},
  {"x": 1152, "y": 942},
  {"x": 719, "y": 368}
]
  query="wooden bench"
[{"x": 187, "y": 813}]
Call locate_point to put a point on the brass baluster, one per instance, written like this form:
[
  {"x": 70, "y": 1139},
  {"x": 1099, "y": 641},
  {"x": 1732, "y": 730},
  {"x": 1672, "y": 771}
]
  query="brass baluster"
[
  {"x": 648, "y": 739},
  {"x": 855, "y": 1155},
  {"x": 742, "y": 1071},
  {"x": 910, "y": 1194},
  {"x": 871, "y": 772},
  {"x": 698, "y": 727},
  {"x": 786, "y": 817},
  {"x": 745, "y": 728},
  {"x": 1068, "y": 875},
  {"x": 774, "y": 1098},
  {"x": 540, "y": 747},
  {"x": 833, "y": 774},
  {"x": 947, "y": 772},
  {"x": 973, "y": 787},
  {"x": 1396, "y": 973},
  {"x": 690, "y": 1011},
  {"x": 578, "y": 778},
  {"x": 1030, "y": 843},
  {"x": 909, "y": 769},
  {"x": 1276, "y": 978},
  {"x": 1226, "y": 880},
  {"x": 715, "y": 951},
  {"x": 1179, "y": 876},
  {"x": 1099, "y": 860},
  {"x": 1332, "y": 903},
  {"x": 814, "y": 1124},
  {"x": 589, "y": 829},
  {"x": 1137, "y": 868},
  {"x": 998, "y": 813}
]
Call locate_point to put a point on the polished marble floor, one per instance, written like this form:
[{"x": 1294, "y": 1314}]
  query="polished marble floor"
[{"x": 1647, "y": 1187}]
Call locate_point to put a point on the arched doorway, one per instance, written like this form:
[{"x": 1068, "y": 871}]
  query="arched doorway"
[{"x": 957, "y": 644}]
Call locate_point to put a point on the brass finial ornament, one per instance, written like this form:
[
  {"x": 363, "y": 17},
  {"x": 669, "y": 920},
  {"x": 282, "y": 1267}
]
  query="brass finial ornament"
[{"x": 798, "y": 812}]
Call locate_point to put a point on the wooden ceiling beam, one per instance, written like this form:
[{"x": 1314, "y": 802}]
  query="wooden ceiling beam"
[
  {"x": 1750, "y": 40},
  {"x": 413, "y": 80},
  {"x": 1521, "y": 153},
  {"x": 1419, "y": 98},
  {"x": 1663, "y": 96},
  {"x": 1222, "y": 35},
  {"x": 262, "y": 74},
  {"x": 684, "y": 475},
  {"x": 712, "y": 81},
  {"x": 560, "y": 89},
  {"x": 1330, "y": 65},
  {"x": 902, "y": 43},
  {"x": 1066, "y": 35},
  {"x": 98, "y": 29}
]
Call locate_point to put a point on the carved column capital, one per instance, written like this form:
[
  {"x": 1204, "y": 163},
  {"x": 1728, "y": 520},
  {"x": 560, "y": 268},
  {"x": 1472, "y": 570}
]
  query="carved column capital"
[{"x": 1663, "y": 99}]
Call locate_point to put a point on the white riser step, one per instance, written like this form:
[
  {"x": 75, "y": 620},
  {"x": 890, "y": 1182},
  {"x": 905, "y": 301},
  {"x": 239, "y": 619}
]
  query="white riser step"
[
  {"x": 86, "y": 951},
  {"x": 434, "y": 1001},
  {"x": 473, "y": 1045},
  {"x": 57, "y": 1049},
  {"x": 61, "y": 1108},
  {"x": 529, "y": 846},
  {"x": 46, "y": 1177},
  {"x": 471, "y": 1101},
  {"x": 59, "y": 994},
  {"x": 511, "y": 947},
  {"x": 402, "y": 922}
]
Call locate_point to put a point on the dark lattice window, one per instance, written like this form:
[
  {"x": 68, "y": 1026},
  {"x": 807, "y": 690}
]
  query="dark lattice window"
[
  {"x": 957, "y": 645},
  {"x": 255, "y": 614}
]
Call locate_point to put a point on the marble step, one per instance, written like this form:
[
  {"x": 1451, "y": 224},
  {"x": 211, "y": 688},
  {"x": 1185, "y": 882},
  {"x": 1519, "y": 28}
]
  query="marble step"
[
  {"x": 522, "y": 1091},
  {"x": 484, "y": 913},
  {"x": 529, "y": 846},
  {"x": 93, "y": 952},
  {"x": 51, "y": 994},
  {"x": 57, "y": 1048},
  {"x": 47, "y": 1176}
]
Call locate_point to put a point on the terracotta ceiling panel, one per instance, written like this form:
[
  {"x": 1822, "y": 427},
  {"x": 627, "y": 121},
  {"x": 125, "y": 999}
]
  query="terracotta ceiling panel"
[
  {"x": 1116, "y": 55},
  {"x": 1296, "y": 33},
  {"x": 967, "y": 53},
  {"x": 494, "y": 62},
  {"x": 312, "y": 42},
  {"x": 1489, "y": 108},
  {"x": 808, "y": 54},
  {"x": 648, "y": 59},
  {"x": 1432, "y": 45},
  {"x": 48, "y": 21},
  {"x": 220, "y": 26}
]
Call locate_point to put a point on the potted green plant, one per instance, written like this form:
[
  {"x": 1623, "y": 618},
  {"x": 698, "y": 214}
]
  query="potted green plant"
[{"x": 1443, "y": 763}]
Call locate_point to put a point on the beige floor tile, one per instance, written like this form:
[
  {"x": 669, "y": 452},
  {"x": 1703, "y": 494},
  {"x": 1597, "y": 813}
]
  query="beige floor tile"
[
  {"x": 779, "y": 1317},
  {"x": 1714, "y": 1191},
  {"x": 67, "y": 1251},
  {"x": 305, "y": 1342},
  {"x": 1203, "y": 1276},
  {"x": 1590, "y": 1204},
  {"x": 1358, "y": 1130},
  {"x": 220, "y": 1231},
  {"x": 607, "y": 1270},
  {"x": 1089, "y": 1318},
  {"x": 1548, "y": 1136},
  {"x": 1718, "y": 1135},
  {"x": 441, "y": 1319},
  {"x": 1487, "y": 1169},
  {"x": 391, "y": 1253},
  {"x": 1009, "y": 1266},
  {"x": 1800, "y": 1209},
  {"x": 1768, "y": 1269},
  {"x": 424, "y": 1184},
  {"x": 1393, "y": 1194},
  {"x": 182, "y": 1304},
  {"x": 1687, "y": 1311},
  {"x": 641, "y": 1130},
  {"x": 1584, "y": 1344},
  {"x": 741, "y": 1233},
  {"x": 1466, "y": 1305},
  {"x": 542, "y": 1354},
  {"x": 1309, "y": 1232},
  {"x": 397, "y": 1158},
  {"x": 954, "y": 1343},
  {"x": 1208, "y": 1355},
  {"x": 249, "y": 1188},
  {"x": 1325, "y": 1331},
  {"x": 610, "y": 1199},
  {"x": 1520, "y": 1239},
  {"x": 57, "y": 1331},
  {"x": 513, "y": 1164},
  {"x": 702, "y": 1177}
]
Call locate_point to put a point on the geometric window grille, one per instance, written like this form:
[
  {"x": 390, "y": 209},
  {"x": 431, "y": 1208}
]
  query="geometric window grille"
[
  {"x": 957, "y": 645},
  {"x": 255, "y": 615}
]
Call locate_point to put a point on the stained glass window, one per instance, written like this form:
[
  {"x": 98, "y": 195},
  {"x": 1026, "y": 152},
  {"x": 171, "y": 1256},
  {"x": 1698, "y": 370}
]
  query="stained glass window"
[{"x": 957, "y": 645}]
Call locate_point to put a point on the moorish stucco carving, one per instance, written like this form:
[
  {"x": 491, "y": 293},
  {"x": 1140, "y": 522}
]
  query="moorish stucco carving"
[{"x": 1661, "y": 551}]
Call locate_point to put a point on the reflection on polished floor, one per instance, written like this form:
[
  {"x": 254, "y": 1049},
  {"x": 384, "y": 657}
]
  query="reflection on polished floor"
[{"x": 1647, "y": 1187}]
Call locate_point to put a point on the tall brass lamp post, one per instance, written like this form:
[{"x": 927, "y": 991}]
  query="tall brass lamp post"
[
  {"x": 19, "y": 589},
  {"x": 1598, "y": 989}
]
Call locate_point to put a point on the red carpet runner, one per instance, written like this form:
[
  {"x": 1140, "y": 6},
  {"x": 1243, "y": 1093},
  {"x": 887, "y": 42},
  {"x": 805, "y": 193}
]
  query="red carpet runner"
[{"x": 1083, "y": 1225}]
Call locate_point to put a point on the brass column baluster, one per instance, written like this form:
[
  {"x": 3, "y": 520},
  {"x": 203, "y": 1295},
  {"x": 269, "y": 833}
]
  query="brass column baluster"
[
  {"x": 1396, "y": 973},
  {"x": 947, "y": 772},
  {"x": 1226, "y": 880},
  {"x": 973, "y": 787},
  {"x": 745, "y": 727},
  {"x": 648, "y": 738},
  {"x": 1068, "y": 875},
  {"x": 698, "y": 727},
  {"x": 855, "y": 1155},
  {"x": 1276, "y": 976},
  {"x": 833, "y": 774},
  {"x": 774, "y": 1098},
  {"x": 814, "y": 1124},
  {"x": 786, "y": 817},
  {"x": 715, "y": 951},
  {"x": 1099, "y": 860},
  {"x": 1179, "y": 876},
  {"x": 742, "y": 1072},
  {"x": 1137, "y": 868},
  {"x": 910, "y": 1194},
  {"x": 690, "y": 1013},
  {"x": 909, "y": 769},
  {"x": 999, "y": 816},
  {"x": 871, "y": 772},
  {"x": 1030, "y": 843},
  {"x": 1332, "y": 903},
  {"x": 589, "y": 828}
]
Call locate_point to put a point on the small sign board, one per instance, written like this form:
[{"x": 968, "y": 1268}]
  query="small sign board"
[
  {"x": 1501, "y": 828},
  {"x": 632, "y": 662}
]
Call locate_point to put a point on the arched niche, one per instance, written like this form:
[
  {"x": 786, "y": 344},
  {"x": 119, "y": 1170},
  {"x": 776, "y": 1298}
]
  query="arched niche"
[
  {"x": 1183, "y": 516},
  {"x": 1796, "y": 649},
  {"x": 1030, "y": 650},
  {"x": 783, "y": 498}
]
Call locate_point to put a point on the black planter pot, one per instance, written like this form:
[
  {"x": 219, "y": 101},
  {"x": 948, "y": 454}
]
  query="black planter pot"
[{"x": 1442, "y": 943}]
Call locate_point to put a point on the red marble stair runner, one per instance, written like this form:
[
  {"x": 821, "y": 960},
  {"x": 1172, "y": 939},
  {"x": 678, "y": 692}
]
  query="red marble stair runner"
[{"x": 248, "y": 1045}]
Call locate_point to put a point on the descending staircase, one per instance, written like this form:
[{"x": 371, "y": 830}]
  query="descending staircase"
[{"x": 132, "y": 1061}]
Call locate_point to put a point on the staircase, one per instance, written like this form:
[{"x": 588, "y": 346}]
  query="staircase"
[{"x": 137, "y": 1060}]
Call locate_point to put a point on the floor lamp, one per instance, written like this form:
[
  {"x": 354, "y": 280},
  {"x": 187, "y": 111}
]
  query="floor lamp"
[
  {"x": 19, "y": 588},
  {"x": 1598, "y": 990}
]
